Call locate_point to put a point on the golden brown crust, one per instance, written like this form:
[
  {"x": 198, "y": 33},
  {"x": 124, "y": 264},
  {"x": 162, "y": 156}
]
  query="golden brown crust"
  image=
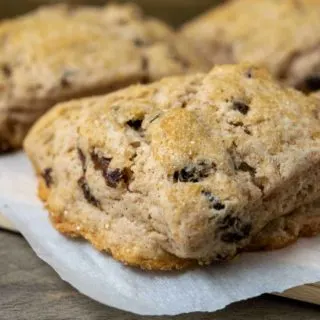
[
  {"x": 165, "y": 263},
  {"x": 265, "y": 241},
  {"x": 120, "y": 253}
]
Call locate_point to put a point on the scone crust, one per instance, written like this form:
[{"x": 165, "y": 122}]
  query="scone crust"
[
  {"x": 61, "y": 52},
  {"x": 278, "y": 234},
  {"x": 192, "y": 166},
  {"x": 283, "y": 36}
]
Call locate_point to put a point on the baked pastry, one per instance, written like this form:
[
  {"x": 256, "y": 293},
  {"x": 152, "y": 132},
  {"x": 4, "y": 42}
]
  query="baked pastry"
[
  {"x": 284, "y": 36},
  {"x": 61, "y": 52},
  {"x": 186, "y": 169}
]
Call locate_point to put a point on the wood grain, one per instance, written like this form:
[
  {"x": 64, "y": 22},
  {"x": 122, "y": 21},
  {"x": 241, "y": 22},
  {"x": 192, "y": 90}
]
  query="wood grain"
[
  {"x": 29, "y": 289},
  {"x": 309, "y": 293}
]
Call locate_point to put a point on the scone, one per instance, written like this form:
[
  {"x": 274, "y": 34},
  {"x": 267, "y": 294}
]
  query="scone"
[
  {"x": 60, "y": 52},
  {"x": 187, "y": 169},
  {"x": 284, "y": 36}
]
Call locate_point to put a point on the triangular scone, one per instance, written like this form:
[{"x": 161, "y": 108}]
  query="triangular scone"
[
  {"x": 61, "y": 52},
  {"x": 283, "y": 36},
  {"x": 188, "y": 168}
]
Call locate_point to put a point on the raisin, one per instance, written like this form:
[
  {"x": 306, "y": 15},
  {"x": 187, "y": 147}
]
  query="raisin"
[
  {"x": 241, "y": 107},
  {"x": 87, "y": 192},
  {"x": 247, "y": 131},
  {"x": 218, "y": 206},
  {"x": 229, "y": 221},
  {"x": 187, "y": 174},
  {"x": 47, "y": 176},
  {"x": 6, "y": 70},
  {"x": 194, "y": 172},
  {"x": 135, "y": 124},
  {"x": 312, "y": 83},
  {"x": 127, "y": 174},
  {"x": 248, "y": 73},
  {"x": 243, "y": 166},
  {"x": 215, "y": 203},
  {"x": 183, "y": 104},
  {"x": 100, "y": 163},
  {"x": 82, "y": 159},
  {"x": 237, "y": 124},
  {"x": 234, "y": 229},
  {"x": 113, "y": 177}
]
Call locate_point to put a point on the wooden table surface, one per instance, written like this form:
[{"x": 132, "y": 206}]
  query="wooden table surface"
[{"x": 30, "y": 289}]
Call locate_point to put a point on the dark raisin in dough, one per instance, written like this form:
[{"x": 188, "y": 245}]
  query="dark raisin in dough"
[
  {"x": 135, "y": 124},
  {"x": 82, "y": 159},
  {"x": 312, "y": 83},
  {"x": 241, "y": 107},
  {"x": 194, "y": 172},
  {"x": 243, "y": 166},
  {"x": 47, "y": 176},
  {"x": 100, "y": 163},
  {"x": 113, "y": 177},
  {"x": 214, "y": 202},
  {"x": 87, "y": 192},
  {"x": 234, "y": 229}
]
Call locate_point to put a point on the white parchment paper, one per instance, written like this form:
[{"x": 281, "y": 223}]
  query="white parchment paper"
[{"x": 100, "y": 277}]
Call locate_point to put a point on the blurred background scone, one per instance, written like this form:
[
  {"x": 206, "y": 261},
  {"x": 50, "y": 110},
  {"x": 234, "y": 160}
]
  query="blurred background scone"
[
  {"x": 172, "y": 11},
  {"x": 281, "y": 35},
  {"x": 61, "y": 52}
]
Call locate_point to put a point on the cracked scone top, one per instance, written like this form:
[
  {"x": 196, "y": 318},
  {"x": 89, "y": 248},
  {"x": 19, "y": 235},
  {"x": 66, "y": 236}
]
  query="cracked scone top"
[
  {"x": 60, "y": 52},
  {"x": 188, "y": 168},
  {"x": 284, "y": 36}
]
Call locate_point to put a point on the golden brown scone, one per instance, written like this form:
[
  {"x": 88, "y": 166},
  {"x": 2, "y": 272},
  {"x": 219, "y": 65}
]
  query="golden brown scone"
[
  {"x": 188, "y": 168},
  {"x": 60, "y": 52},
  {"x": 284, "y": 36}
]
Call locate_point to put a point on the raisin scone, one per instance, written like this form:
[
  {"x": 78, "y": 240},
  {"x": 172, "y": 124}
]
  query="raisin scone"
[
  {"x": 187, "y": 169},
  {"x": 284, "y": 36},
  {"x": 61, "y": 52}
]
